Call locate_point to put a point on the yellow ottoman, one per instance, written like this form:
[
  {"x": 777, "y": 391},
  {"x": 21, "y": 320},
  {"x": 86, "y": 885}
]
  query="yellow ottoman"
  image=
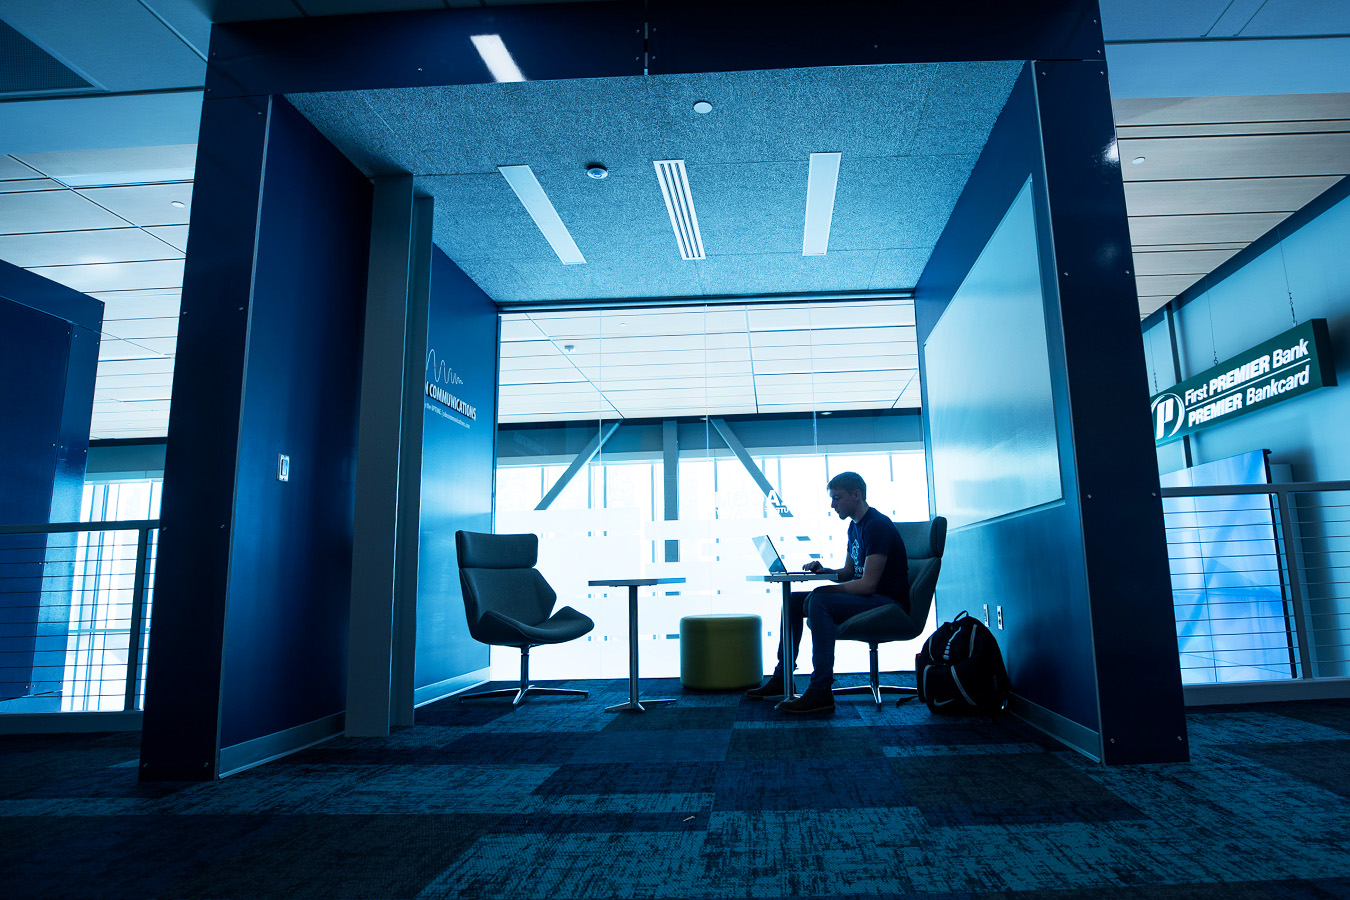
[{"x": 721, "y": 652}]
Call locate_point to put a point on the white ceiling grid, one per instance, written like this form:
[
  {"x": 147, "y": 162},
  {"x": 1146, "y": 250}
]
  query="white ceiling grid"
[
  {"x": 717, "y": 360},
  {"x": 120, "y": 243}
]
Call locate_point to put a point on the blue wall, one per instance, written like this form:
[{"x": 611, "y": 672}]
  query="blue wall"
[
  {"x": 289, "y": 590},
  {"x": 458, "y": 466},
  {"x": 1082, "y": 579},
  {"x": 49, "y": 337},
  {"x": 253, "y": 588},
  {"x": 1247, "y": 301}
]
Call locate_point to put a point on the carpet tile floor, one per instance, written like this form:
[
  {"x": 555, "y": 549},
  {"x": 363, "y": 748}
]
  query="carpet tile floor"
[{"x": 717, "y": 796}]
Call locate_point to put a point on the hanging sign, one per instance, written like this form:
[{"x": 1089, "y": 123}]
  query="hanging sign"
[{"x": 1279, "y": 369}]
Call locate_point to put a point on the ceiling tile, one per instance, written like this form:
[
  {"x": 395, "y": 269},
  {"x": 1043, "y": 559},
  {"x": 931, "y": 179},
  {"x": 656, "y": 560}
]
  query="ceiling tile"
[
  {"x": 1224, "y": 195},
  {"x": 112, "y": 349},
  {"x": 138, "y": 329},
  {"x": 138, "y": 304},
  {"x": 40, "y": 184},
  {"x": 1171, "y": 285},
  {"x": 174, "y": 235},
  {"x": 134, "y": 365},
  {"x": 132, "y": 165},
  {"x": 146, "y": 204},
  {"x": 1131, "y": 111},
  {"x": 127, "y": 276},
  {"x": 1246, "y": 156},
  {"x": 68, "y": 248},
  {"x": 1146, "y": 231},
  {"x": 1179, "y": 262},
  {"x": 52, "y": 211},
  {"x": 11, "y": 168}
]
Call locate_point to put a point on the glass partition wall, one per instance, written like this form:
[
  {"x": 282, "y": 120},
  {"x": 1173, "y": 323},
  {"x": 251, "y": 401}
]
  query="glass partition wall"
[{"x": 712, "y": 406}]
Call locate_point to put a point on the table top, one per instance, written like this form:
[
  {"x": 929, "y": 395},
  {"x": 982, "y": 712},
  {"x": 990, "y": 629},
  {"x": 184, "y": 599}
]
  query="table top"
[
  {"x": 633, "y": 582},
  {"x": 794, "y": 576}
]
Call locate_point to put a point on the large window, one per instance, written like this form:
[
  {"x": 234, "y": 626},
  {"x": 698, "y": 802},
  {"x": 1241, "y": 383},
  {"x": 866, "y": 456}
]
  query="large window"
[
  {"x": 609, "y": 523},
  {"x": 101, "y": 598}
]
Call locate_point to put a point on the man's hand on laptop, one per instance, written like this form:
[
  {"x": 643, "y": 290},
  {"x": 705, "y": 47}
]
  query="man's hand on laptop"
[{"x": 813, "y": 566}]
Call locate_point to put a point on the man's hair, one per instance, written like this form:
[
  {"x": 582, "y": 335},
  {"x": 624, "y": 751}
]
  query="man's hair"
[{"x": 848, "y": 481}]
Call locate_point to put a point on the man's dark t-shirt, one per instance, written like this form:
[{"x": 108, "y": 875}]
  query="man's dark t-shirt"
[{"x": 877, "y": 534}]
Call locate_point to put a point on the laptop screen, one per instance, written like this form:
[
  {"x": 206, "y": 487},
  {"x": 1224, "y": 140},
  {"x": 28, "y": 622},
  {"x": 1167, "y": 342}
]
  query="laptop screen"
[{"x": 772, "y": 560}]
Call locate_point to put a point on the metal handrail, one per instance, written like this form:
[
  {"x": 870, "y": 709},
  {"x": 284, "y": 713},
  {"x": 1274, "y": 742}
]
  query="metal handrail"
[
  {"x": 67, "y": 527},
  {"x": 137, "y": 625},
  {"x": 1288, "y": 549}
]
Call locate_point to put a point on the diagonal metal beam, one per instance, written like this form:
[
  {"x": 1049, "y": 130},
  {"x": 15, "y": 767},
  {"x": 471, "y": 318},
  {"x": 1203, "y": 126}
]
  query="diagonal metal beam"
[
  {"x": 585, "y": 456},
  {"x": 739, "y": 449}
]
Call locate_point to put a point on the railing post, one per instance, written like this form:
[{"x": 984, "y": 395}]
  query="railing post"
[
  {"x": 137, "y": 617},
  {"x": 1295, "y": 581}
]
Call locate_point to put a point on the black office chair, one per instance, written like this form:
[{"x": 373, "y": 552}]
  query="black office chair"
[
  {"x": 924, "y": 543},
  {"x": 509, "y": 604}
]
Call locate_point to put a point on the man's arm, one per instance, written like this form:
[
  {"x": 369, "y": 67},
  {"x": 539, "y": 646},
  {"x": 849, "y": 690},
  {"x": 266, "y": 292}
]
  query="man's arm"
[
  {"x": 842, "y": 574},
  {"x": 864, "y": 584}
]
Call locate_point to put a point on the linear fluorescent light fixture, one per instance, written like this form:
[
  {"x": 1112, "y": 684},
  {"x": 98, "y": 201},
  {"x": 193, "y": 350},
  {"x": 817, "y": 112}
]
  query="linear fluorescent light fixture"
[
  {"x": 821, "y": 180},
  {"x": 540, "y": 208},
  {"x": 497, "y": 57},
  {"x": 674, "y": 182}
]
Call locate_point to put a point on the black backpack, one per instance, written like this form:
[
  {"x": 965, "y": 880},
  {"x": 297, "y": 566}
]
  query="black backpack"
[{"x": 960, "y": 669}]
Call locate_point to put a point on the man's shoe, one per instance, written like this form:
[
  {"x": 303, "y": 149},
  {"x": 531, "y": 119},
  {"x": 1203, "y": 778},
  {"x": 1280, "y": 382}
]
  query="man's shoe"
[
  {"x": 813, "y": 701},
  {"x": 771, "y": 688}
]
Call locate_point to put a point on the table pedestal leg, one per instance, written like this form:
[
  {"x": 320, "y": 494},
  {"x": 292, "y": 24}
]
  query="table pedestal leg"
[
  {"x": 633, "y": 705},
  {"x": 785, "y": 638}
]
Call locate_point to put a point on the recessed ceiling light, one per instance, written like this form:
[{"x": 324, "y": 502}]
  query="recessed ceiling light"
[
  {"x": 821, "y": 179},
  {"x": 177, "y": 204},
  {"x": 597, "y": 171},
  {"x": 496, "y": 57},
  {"x": 540, "y": 208},
  {"x": 1138, "y": 159},
  {"x": 702, "y": 106}
]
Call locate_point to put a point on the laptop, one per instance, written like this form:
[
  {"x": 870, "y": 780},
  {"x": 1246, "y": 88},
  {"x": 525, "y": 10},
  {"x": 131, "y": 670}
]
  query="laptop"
[{"x": 770, "y": 555}]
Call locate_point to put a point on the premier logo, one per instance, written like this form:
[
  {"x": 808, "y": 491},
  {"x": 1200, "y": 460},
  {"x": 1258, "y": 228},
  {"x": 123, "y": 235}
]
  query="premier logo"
[{"x": 1169, "y": 413}]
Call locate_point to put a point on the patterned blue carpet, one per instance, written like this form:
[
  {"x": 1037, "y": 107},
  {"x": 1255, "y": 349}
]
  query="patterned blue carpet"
[{"x": 716, "y": 796}]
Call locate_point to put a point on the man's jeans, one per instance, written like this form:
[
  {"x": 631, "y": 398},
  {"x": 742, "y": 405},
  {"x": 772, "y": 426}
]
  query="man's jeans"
[{"x": 825, "y": 610}]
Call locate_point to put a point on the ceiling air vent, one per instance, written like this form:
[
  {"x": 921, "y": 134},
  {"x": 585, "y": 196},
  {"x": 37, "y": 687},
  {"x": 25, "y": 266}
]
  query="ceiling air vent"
[
  {"x": 680, "y": 204},
  {"x": 25, "y": 68}
]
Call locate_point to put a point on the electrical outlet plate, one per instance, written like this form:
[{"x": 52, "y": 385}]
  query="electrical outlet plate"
[
  {"x": 1000, "y": 618},
  {"x": 986, "y": 614},
  {"x": 283, "y": 467}
]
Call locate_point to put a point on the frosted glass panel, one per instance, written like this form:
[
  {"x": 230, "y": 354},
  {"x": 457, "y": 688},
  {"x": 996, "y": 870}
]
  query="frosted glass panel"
[{"x": 721, "y": 509}]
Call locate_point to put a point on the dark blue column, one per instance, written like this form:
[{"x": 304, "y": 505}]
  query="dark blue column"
[{"x": 248, "y": 650}]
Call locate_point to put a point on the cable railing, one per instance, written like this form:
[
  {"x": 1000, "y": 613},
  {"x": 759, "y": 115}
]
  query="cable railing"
[
  {"x": 1261, "y": 586},
  {"x": 75, "y": 606}
]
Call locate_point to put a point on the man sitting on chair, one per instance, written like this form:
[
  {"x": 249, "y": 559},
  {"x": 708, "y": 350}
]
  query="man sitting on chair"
[{"x": 876, "y": 572}]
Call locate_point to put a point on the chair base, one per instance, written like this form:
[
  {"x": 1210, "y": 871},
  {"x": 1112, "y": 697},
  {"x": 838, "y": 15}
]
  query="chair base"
[
  {"x": 874, "y": 685},
  {"x": 876, "y": 690},
  {"x": 525, "y": 689},
  {"x": 521, "y": 693}
]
